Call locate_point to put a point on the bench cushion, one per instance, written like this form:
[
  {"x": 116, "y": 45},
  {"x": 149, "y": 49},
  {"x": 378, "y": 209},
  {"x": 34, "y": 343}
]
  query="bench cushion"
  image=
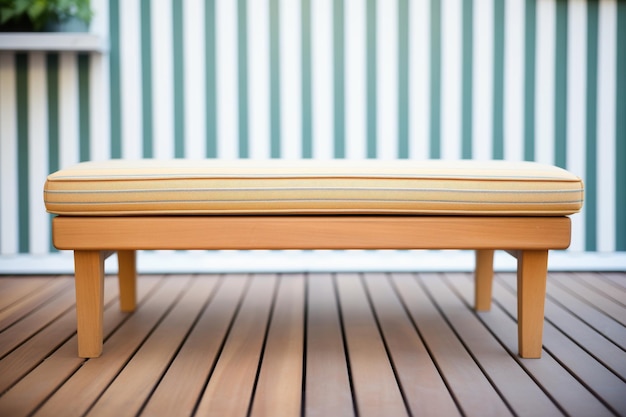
[{"x": 185, "y": 187}]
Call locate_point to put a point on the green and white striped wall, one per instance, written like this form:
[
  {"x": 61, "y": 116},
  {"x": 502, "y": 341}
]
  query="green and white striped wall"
[{"x": 540, "y": 80}]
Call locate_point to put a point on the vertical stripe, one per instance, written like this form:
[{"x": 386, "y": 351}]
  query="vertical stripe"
[
  {"x": 291, "y": 80},
  {"x": 275, "y": 76},
  {"x": 372, "y": 150},
  {"x": 387, "y": 79},
  {"x": 468, "y": 65},
  {"x": 193, "y": 79},
  {"x": 210, "y": 80},
  {"x": 226, "y": 78},
  {"x": 591, "y": 104},
  {"x": 482, "y": 99},
  {"x": 146, "y": 78},
  {"x": 322, "y": 72},
  {"x": 84, "y": 109},
  {"x": 179, "y": 86},
  {"x": 99, "y": 89},
  {"x": 498, "y": 79},
  {"x": 163, "y": 81},
  {"x": 575, "y": 107},
  {"x": 451, "y": 78},
  {"x": 529, "y": 78},
  {"x": 99, "y": 105},
  {"x": 52, "y": 83},
  {"x": 620, "y": 130},
  {"x": 22, "y": 149},
  {"x": 560, "y": 85},
  {"x": 307, "y": 101},
  {"x": 21, "y": 76},
  {"x": 607, "y": 80},
  {"x": 419, "y": 79},
  {"x": 242, "y": 80},
  {"x": 258, "y": 83},
  {"x": 355, "y": 78},
  {"x": 339, "y": 81},
  {"x": 544, "y": 87},
  {"x": 38, "y": 234},
  {"x": 513, "y": 116},
  {"x": 130, "y": 80},
  {"x": 435, "y": 79},
  {"x": 114, "y": 77},
  {"x": 403, "y": 79},
  {"x": 69, "y": 135},
  {"x": 9, "y": 166}
]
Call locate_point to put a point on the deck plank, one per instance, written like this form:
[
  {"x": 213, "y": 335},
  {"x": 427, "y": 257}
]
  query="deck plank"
[
  {"x": 424, "y": 388},
  {"x": 230, "y": 388},
  {"x": 28, "y": 355},
  {"x": 569, "y": 394},
  {"x": 57, "y": 304},
  {"x": 587, "y": 337},
  {"x": 616, "y": 278},
  {"x": 196, "y": 359},
  {"x": 279, "y": 388},
  {"x": 514, "y": 385},
  {"x": 472, "y": 390},
  {"x": 611, "y": 329},
  {"x": 96, "y": 374},
  {"x": 14, "y": 289},
  {"x": 376, "y": 390},
  {"x": 604, "y": 287},
  {"x": 600, "y": 380},
  {"x": 599, "y": 301},
  {"x": 149, "y": 363},
  {"x": 316, "y": 345},
  {"x": 328, "y": 390},
  {"x": 32, "y": 390}
]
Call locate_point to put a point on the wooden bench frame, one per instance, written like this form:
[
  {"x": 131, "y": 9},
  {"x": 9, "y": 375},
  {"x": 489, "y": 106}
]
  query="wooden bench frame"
[{"x": 94, "y": 238}]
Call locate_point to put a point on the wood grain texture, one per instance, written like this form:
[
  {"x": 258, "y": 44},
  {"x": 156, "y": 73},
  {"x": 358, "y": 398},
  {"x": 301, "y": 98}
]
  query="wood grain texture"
[
  {"x": 230, "y": 388},
  {"x": 127, "y": 276},
  {"x": 532, "y": 273},
  {"x": 197, "y": 356},
  {"x": 472, "y": 390},
  {"x": 328, "y": 390},
  {"x": 279, "y": 388},
  {"x": 425, "y": 391},
  {"x": 483, "y": 276},
  {"x": 311, "y": 232},
  {"x": 441, "y": 356},
  {"x": 89, "y": 283}
]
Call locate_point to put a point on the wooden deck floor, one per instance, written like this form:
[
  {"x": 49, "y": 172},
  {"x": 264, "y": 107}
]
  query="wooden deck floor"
[{"x": 318, "y": 345}]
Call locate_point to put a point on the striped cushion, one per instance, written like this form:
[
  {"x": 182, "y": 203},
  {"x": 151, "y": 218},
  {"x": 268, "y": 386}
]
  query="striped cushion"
[{"x": 146, "y": 187}]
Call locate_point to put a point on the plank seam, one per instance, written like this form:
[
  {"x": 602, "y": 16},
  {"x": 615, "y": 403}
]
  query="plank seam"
[
  {"x": 469, "y": 351},
  {"x": 384, "y": 340},
  {"x": 345, "y": 343},
  {"x": 219, "y": 351},
  {"x": 192, "y": 327}
]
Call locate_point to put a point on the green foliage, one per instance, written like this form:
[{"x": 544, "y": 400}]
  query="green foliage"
[{"x": 39, "y": 12}]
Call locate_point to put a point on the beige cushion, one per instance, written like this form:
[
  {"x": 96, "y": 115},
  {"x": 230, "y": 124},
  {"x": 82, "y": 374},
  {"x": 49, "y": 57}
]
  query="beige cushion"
[{"x": 185, "y": 187}]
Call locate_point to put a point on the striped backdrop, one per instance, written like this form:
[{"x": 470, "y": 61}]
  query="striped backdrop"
[{"x": 536, "y": 80}]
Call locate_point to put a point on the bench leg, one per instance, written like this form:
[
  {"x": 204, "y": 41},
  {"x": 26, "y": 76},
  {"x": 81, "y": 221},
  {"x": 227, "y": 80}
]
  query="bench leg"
[
  {"x": 127, "y": 276},
  {"x": 483, "y": 280},
  {"x": 532, "y": 270},
  {"x": 89, "y": 282}
]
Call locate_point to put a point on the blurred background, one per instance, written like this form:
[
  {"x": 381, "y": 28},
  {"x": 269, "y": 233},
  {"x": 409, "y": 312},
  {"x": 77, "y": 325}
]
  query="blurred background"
[{"x": 537, "y": 80}]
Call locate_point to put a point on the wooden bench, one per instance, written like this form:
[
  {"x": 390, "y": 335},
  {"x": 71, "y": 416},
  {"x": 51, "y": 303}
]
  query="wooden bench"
[{"x": 125, "y": 206}]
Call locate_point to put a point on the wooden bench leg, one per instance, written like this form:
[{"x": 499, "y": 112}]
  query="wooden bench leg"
[
  {"x": 483, "y": 280},
  {"x": 89, "y": 282},
  {"x": 532, "y": 270},
  {"x": 127, "y": 276}
]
